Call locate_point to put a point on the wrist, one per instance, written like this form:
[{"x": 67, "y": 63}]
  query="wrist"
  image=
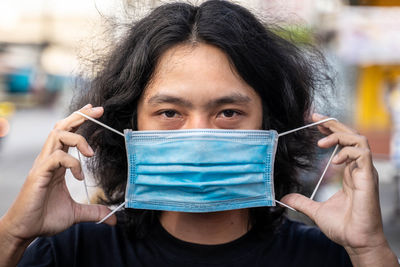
[
  {"x": 381, "y": 255},
  {"x": 11, "y": 247}
]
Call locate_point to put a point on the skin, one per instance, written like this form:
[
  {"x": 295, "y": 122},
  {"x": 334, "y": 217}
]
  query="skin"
[
  {"x": 195, "y": 87},
  {"x": 4, "y": 127}
]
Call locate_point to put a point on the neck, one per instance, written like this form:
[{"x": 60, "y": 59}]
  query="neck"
[{"x": 206, "y": 228}]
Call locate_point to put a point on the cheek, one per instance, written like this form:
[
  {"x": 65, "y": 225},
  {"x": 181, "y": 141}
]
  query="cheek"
[
  {"x": 255, "y": 122},
  {"x": 259, "y": 120},
  {"x": 144, "y": 123},
  {"x": 140, "y": 123}
]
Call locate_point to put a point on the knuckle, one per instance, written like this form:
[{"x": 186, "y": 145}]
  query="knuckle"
[
  {"x": 343, "y": 135},
  {"x": 363, "y": 139},
  {"x": 59, "y": 124},
  {"x": 58, "y": 154},
  {"x": 335, "y": 137},
  {"x": 55, "y": 132},
  {"x": 341, "y": 153},
  {"x": 297, "y": 199},
  {"x": 345, "y": 150}
]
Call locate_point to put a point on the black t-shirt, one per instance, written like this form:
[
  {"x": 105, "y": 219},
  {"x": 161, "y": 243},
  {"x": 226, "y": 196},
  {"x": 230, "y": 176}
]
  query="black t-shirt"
[{"x": 89, "y": 244}]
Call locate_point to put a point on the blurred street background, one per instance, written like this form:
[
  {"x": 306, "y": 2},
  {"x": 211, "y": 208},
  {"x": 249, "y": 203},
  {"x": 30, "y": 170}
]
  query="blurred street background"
[{"x": 45, "y": 45}]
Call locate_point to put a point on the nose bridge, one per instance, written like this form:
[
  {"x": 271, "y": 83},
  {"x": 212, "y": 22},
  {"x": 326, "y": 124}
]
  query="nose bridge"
[{"x": 198, "y": 121}]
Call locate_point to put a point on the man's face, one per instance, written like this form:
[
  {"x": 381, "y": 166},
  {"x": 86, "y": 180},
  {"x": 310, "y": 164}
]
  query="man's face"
[{"x": 196, "y": 87}]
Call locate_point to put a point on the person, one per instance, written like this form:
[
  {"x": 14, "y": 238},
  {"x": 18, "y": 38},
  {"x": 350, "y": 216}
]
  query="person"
[{"x": 197, "y": 67}]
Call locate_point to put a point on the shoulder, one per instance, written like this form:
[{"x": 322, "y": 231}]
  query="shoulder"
[{"x": 80, "y": 243}]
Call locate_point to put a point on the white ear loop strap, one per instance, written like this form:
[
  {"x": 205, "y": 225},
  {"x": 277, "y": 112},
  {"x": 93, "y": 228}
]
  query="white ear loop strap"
[
  {"x": 327, "y": 165},
  {"x": 111, "y": 213},
  {"x": 100, "y": 123},
  {"x": 306, "y": 126},
  {"x": 323, "y": 174},
  {"x": 286, "y": 206},
  {"x": 84, "y": 178}
]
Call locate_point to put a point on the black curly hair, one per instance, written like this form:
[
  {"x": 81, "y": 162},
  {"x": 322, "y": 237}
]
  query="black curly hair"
[{"x": 284, "y": 75}]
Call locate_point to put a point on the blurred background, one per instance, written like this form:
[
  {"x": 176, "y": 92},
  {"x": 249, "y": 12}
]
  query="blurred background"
[{"x": 46, "y": 44}]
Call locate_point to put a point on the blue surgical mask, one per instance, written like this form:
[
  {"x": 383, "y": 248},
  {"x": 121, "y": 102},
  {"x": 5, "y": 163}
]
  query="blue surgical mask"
[{"x": 201, "y": 170}]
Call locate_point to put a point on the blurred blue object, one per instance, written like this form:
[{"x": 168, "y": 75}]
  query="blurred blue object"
[{"x": 19, "y": 81}]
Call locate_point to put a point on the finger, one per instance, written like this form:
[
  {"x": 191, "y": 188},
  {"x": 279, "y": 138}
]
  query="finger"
[
  {"x": 93, "y": 213},
  {"x": 74, "y": 120},
  {"x": 361, "y": 155},
  {"x": 68, "y": 139},
  {"x": 344, "y": 139},
  {"x": 318, "y": 117},
  {"x": 301, "y": 203},
  {"x": 323, "y": 130},
  {"x": 60, "y": 159},
  {"x": 332, "y": 125},
  {"x": 62, "y": 140}
]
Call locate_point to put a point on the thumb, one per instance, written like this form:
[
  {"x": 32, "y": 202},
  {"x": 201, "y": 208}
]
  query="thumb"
[
  {"x": 301, "y": 203},
  {"x": 93, "y": 213}
]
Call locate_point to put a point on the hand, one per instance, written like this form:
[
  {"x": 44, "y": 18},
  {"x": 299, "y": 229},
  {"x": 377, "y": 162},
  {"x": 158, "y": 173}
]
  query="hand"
[
  {"x": 44, "y": 205},
  {"x": 351, "y": 217}
]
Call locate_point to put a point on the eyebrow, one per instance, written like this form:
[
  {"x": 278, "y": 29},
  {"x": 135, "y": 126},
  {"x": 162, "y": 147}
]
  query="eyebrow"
[
  {"x": 163, "y": 98},
  {"x": 236, "y": 98},
  {"x": 230, "y": 99}
]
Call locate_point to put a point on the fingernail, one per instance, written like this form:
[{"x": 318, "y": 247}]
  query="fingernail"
[
  {"x": 90, "y": 150},
  {"x": 323, "y": 140},
  {"x": 96, "y": 109},
  {"x": 86, "y": 106}
]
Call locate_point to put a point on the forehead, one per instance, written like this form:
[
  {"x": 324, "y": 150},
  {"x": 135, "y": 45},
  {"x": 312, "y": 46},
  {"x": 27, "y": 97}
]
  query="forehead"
[{"x": 196, "y": 72}]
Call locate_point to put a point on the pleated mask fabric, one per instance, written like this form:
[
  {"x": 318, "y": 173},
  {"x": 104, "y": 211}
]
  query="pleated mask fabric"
[{"x": 202, "y": 170}]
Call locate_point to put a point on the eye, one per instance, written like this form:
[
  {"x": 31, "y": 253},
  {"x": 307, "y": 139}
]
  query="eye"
[
  {"x": 169, "y": 113},
  {"x": 229, "y": 113}
]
